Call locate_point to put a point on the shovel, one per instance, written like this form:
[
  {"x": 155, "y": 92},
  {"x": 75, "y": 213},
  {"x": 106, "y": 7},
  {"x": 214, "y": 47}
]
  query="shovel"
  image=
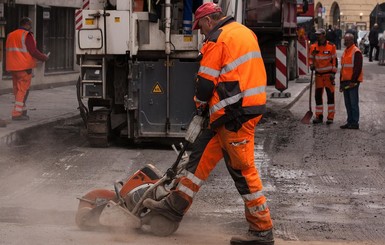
[{"x": 306, "y": 119}]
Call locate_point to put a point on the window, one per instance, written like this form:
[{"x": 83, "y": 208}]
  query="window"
[{"x": 58, "y": 38}]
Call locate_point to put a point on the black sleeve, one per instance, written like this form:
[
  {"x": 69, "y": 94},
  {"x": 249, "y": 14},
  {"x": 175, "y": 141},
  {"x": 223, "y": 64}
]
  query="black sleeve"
[
  {"x": 357, "y": 66},
  {"x": 204, "y": 89}
]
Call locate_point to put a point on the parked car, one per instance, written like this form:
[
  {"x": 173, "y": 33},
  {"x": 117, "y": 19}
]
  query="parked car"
[{"x": 363, "y": 41}]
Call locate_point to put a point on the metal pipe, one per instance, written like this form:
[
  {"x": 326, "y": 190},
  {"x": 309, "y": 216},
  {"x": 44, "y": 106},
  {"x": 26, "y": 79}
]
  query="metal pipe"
[
  {"x": 168, "y": 52},
  {"x": 168, "y": 94},
  {"x": 168, "y": 26}
]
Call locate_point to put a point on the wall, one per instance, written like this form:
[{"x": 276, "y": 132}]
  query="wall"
[{"x": 352, "y": 11}]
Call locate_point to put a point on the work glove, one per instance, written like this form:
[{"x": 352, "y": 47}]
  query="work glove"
[
  {"x": 332, "y": 77},
  {"x": 347, "y": 86},
  {"x": 312, "y": 67}
]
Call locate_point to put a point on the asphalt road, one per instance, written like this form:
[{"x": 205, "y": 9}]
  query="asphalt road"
[{"x": 324, "y": 185}]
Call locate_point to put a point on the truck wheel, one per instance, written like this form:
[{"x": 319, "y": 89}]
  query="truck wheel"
[
  {"x": 161, "y": 226},
  {"x": 99, "y": 128}
]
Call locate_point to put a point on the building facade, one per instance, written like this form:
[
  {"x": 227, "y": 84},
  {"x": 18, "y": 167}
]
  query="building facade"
[
  {"x": 54, "y": 31},
  {"x": 350, "y": 13}
]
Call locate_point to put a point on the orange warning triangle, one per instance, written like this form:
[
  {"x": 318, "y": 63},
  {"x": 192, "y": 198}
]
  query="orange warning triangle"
[{"x": 157, "y": 89}]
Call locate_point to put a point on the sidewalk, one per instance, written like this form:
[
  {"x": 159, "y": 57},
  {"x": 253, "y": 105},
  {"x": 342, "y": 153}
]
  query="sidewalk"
[
  {"x": 44, "y": 107},
  {"x": 54, "y": 104}
]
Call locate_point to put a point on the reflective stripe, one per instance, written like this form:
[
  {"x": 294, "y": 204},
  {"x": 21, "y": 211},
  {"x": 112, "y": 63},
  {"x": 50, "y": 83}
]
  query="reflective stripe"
[
  {"x": 186, "y": 190},
  {"x": 193, "y": 178},
  {"x": 234, "y": 99},
  {"x": 231, "y": 66},
  {"x": 324, "y": 68},
  {"x": 327, "y": 68},
  {"x": 209, "y": 71},
  {"x": 19, "y": 103},
  {"x": 187, "y": 22},
  {"x": 331, "y": 110},
  {"x": 23, "y": 48},
  {"x": 330, "y": 105},
  {"x": 347, "y": 65},
  {"x": 252, "y": 196},
  {"x": 323, "y": 57},
  {"x": 18, "y": 108},
  {"x": 259, "y": 208}
]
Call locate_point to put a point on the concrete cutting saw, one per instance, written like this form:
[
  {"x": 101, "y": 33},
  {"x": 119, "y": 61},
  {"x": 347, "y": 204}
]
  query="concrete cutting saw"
[{"x": 123, "y": 206}]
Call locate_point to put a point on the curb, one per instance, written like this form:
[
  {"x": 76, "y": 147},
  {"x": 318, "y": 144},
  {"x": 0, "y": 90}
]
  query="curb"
[{"x": 18, "y": 135}]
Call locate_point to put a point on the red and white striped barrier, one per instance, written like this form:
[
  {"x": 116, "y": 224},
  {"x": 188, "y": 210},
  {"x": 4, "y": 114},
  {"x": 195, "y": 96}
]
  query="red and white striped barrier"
[
  {"x": 381, "y": 56},
  {"x": 281, "y": 72},
  {"x": 79, "y": 14},
  {"x": 303, "y": 67}
]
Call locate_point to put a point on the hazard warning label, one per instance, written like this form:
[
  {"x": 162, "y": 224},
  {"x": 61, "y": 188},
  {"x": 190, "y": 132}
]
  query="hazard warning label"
[{"x": 157, "y": 89}]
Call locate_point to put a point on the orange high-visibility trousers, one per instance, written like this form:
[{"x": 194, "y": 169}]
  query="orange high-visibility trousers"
[
  {"x": 322, "y": 81},
  {"x": 237, "y": 149},
  {"x": 21, "y": 85}
]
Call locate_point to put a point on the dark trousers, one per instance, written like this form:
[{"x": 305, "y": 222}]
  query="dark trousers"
[
  {"x": 338, "y": 44},
  {"x": 351, "y": 103},
  {"x": 371, "y": 52}
]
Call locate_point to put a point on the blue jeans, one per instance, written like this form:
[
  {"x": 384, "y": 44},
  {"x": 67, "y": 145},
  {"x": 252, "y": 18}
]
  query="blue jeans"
[{"x": 351, "y": 103}]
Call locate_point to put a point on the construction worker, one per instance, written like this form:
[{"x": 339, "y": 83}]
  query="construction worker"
[
  {"x": 323, "y": 60},
  {"x": 351, "y": 76},
  {"x": 230, "y": 84},
  {"x": 21, "y": 56}
]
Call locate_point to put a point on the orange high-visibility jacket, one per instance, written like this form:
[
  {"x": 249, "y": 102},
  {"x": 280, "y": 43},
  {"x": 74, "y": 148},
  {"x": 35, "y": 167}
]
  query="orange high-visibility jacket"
[
  {"x": 232, "y": 63},
  {"x": 18, "y": 58},
  {"x": 347, "y": 64},
  {"x": 325, "y": 59}
]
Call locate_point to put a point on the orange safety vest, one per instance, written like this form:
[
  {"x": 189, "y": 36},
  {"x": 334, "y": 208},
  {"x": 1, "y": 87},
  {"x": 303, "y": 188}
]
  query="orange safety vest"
[
  {"x": 347, "y": 63},
  {"x": 232, "y": 61},
  {"x": 18, "y": 58},
  {"x": 325, "y": 58}
]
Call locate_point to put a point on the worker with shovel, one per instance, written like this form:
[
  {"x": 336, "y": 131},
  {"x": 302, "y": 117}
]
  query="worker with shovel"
[{"x": 323, "y": 60}]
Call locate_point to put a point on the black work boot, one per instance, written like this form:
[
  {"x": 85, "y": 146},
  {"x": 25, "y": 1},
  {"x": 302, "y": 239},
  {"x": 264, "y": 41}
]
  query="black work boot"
[
  {"x": 162, "y": 207},
  {"x": 255, "y": 238},
  {"x": 318, "y": 119}
]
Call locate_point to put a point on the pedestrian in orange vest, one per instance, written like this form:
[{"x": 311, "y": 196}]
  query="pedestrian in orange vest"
[
  {"x": 351, "y": 76},
  {"x": 231, "y": 86},
  {"x": 21, "y": 56}
]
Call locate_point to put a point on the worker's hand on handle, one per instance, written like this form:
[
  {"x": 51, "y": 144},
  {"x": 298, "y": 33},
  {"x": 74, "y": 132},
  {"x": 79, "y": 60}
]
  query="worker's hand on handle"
[{"x": 332, "y": 77}]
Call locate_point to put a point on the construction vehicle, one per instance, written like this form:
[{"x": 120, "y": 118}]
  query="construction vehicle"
[{"x": 138, "y": 64}]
